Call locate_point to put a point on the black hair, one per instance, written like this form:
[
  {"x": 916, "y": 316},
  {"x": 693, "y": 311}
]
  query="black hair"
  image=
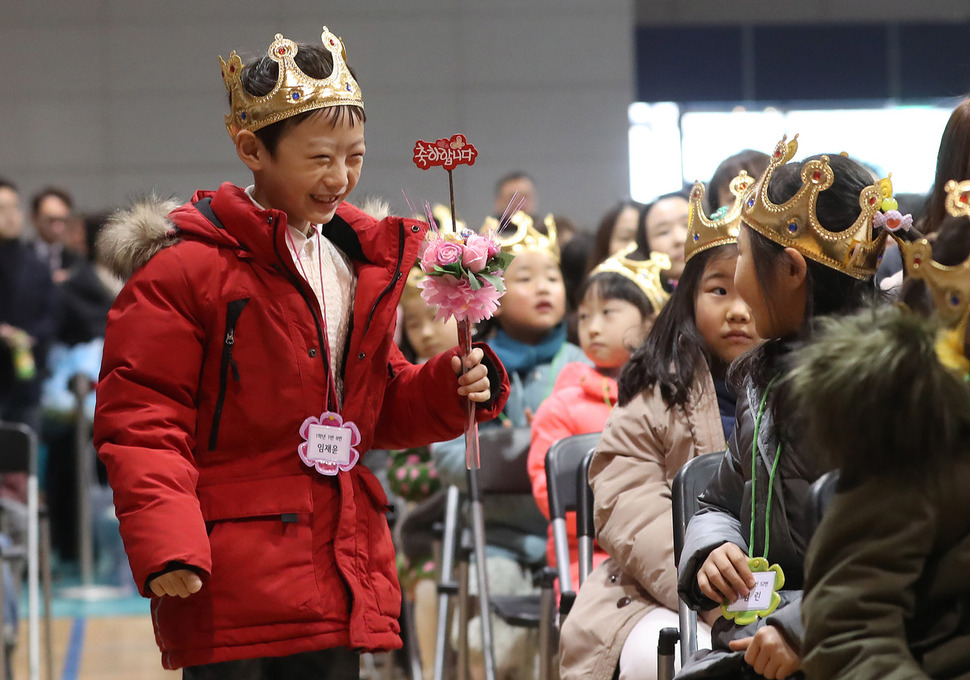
[
  {"x": 259, "y": 78},
  {"x": 830, "y": 292},
  {"x": 952, "y": 162},
  {"x": 604, "y": 231},
  {"x": 513, "y": 176},
  {"x": 613, "y": 286},
  {"x": 7, "y": 184},
  {"x": 674, "y": 350},
  {"x": 46, "y": 192},
  {"x": 572, "y": 263},
  {"x": 751, "y": 161}
]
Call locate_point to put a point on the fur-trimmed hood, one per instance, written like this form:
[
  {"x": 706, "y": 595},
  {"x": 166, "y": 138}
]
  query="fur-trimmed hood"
[
  {"x": 132, "y": 236},
  {"x": 875, "y": 398}
]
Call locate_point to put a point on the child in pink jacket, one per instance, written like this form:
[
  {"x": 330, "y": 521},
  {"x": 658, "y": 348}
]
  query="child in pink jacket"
[{"x": 619, "y": 302}]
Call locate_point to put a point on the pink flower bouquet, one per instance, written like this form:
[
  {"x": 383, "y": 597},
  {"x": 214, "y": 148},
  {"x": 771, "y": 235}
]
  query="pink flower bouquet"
[{"x": 464, "y": 275}]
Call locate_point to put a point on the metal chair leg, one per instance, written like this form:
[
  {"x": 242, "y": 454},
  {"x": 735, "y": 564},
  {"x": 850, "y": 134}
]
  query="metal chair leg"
[
  {"x": 45, "y": 575},
  {"x": 547, "y": 606},
  {"x": 446, "y": 585},
  {"x": 464, "y": 602}
]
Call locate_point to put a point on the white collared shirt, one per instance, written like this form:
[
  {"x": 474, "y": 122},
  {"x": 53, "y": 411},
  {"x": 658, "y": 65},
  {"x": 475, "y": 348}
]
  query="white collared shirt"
[{"x": 316, "y": 257}]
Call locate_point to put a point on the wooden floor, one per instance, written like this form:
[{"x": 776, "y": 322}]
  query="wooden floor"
[{"x": 113, "y": 648}]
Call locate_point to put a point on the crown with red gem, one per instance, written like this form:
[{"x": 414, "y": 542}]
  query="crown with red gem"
[
  {"x": 644, "y": 273},
  {"x": 722, "y": 227},
  {"x": 295, "y": 92},
  {"x": 949, "y": 286},
  {"x": 794, "y": 224}
]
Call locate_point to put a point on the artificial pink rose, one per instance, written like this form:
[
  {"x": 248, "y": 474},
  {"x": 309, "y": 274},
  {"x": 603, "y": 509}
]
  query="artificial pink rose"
[
  {"x": 475, "y": 255},
  {"x": 494, "y": 247},
  {"x": 430, "y": 256},
  {"x": 448, "y": 253}
]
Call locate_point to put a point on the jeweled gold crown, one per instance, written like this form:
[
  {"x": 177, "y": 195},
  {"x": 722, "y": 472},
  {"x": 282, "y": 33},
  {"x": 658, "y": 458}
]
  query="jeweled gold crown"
[
  {"x": 295, "y": 92},
  {"x": 644, "y": 273},
  {"x": 722, "y": 227},
  {"x": 949, "y": 286},
  {"x": 794, "y": 223},
  {"x": 526, "y": 236}
]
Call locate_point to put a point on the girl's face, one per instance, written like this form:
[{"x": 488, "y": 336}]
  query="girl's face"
[
  {"x": 721, "y": 315},
  {"x": 535, "y": 297},
  {"x": 609, "y": 329},
  {"x": 776, "y": 313},
  {"x": 666, "y": 226},
  {"x": 427, "y": 336},
  {"x": 624, "y": 229}
]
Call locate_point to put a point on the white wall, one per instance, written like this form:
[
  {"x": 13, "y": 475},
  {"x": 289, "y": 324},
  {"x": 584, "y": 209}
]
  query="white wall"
[{"x": 115, "y": 98}]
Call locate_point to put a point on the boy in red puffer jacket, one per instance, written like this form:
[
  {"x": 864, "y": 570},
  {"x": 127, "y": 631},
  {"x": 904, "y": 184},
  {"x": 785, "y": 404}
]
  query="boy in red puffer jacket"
[{"x": 249, "y": 365}]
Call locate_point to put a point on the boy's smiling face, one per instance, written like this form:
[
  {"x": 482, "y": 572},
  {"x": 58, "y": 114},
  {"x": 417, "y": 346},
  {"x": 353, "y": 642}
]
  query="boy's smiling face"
[{"x": 316, "y": 165}]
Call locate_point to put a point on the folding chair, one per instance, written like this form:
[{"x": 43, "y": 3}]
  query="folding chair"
[
  {"x": 18, "y": 453},
  {"x": 564, "y": 460},
  {"x": 585, "y": 528},
  {"x": 819, "y": 495},
  {"x": 689, "y": 483},
  {"x": 504, "y": 454}
]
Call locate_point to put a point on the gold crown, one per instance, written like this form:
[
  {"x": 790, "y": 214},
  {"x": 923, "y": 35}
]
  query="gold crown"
[
  {"x": 722, "y": 227},
  {"x": 644, "y": 273},
  {"x": 949, "y": 286},
  {"x": 794, "y": 223},
  {"x": 415, "y": 276},
  {"x": 295, "y": 92},
  {"x": 526, "y": 236}
]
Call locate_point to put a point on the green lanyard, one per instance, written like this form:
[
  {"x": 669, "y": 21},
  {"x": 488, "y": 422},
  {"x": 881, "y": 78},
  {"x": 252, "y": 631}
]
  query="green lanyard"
[{"x": 771, "y": 476}]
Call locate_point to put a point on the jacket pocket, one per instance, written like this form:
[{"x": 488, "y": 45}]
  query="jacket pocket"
[
  {"x": 261, "y": 541},
  {"x": 380, "y": 557},
  {"x": 234, "y": 310}
]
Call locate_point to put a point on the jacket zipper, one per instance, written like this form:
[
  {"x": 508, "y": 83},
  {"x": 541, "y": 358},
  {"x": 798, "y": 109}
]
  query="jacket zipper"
[
  {"x": 313, "y": 312},
  {"x": 394, "y": 279},
  {"x": 233, "y": 311}
]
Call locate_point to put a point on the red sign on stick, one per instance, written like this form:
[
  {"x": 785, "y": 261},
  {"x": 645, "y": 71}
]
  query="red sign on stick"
[{"x": 446, "y": 153}]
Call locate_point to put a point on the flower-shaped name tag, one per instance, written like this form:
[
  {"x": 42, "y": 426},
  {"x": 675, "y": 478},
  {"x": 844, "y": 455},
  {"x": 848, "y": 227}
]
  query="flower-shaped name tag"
[
  {"x": 329, "y": 443},
  {"x": 762, "y": 599}
]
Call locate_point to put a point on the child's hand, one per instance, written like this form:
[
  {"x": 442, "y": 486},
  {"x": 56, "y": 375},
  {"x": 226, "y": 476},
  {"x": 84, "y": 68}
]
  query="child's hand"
[
  {"x": 474, "y": 383},
  {"x": 768, "y": 653},
  {"x": 181, "y": 582},
  {"x": 725, "y": 574}
]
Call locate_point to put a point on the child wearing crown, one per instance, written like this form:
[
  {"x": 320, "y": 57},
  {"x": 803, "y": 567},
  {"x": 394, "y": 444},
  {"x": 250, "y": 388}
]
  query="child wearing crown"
[
  {"x": 673, "y": 405},
  {"x": 529, "y": 336},
  {"x": 248, "y": 367},
  {"x": 886, "y": 589},
  {"x": 808, "y": 248},
  {"x": 618, "y": 303}
]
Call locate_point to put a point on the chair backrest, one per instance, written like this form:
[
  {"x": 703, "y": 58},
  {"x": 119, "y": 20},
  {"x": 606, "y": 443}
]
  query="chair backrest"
[
  {"x": 819, "y": 495},
  {"x": 563, "y": 461},
  {"x": 585, "y": 527},
  {"x": 690, "y": 482},
  {"x": 504, "y": 460},
  {"x": 18, "y": 444}
]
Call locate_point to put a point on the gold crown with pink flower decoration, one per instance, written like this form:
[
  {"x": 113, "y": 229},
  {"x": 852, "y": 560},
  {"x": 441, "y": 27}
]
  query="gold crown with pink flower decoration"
[
  {"x": 295, "y": 92},
  {"x": 949, "y": 285},
  {"x": 644, "y": 273},
  {"x": 722, "y": 227},
  {"x": 526, "y": 236},
  {"x": 794, "y": 223}
]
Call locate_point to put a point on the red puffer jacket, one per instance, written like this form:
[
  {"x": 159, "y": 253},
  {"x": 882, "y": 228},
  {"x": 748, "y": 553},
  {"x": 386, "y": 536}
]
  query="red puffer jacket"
[{"x": 212, "y": 361}]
